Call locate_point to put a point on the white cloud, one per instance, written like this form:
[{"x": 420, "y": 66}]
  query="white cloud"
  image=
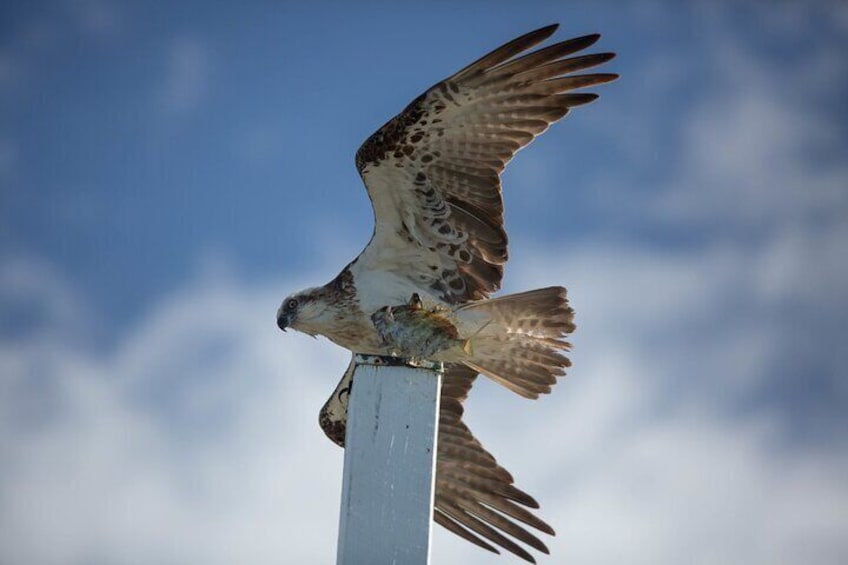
[
  {"x": 191, "y": 442},
  {"x": 755, "y": 152},
  {"x": 34, "y": 297},
  {"x": 195, "y": 439},
  {"x": 723, "y": 134},
  {"x": 639, "y": 456},
  {"x": 741, "y": 163}
]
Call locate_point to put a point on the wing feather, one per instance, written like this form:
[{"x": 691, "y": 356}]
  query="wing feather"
[
  {"x": 468, "y": 520},
  {"x": 550, "y": 53},
  {"x": 453, "y": 526},
  {"x": 433, "y": 171},
  {"x": 508, "y": 50}
]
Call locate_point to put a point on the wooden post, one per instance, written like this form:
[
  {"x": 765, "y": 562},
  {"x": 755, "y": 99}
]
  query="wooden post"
[{"x": 389, "y": 463}]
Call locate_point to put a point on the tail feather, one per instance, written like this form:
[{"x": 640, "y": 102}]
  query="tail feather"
[{"x": 521, "y": 344}]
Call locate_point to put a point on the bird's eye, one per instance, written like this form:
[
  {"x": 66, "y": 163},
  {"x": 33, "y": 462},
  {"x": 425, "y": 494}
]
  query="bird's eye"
[{"x": 291, "y": 304}]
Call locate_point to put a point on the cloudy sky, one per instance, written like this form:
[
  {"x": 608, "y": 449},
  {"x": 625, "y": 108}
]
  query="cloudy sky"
[{"x": 168, "y": 175}]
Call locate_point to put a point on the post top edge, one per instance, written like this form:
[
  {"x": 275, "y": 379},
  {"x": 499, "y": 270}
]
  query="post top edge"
[{"x": 387, "y": 361}]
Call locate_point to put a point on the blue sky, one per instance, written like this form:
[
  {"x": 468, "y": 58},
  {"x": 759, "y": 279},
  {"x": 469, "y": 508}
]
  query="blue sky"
[{"x": 168, "y": 175}]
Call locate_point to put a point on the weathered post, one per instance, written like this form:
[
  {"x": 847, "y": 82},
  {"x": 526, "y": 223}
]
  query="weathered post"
[{"x": 389, "y": 463}]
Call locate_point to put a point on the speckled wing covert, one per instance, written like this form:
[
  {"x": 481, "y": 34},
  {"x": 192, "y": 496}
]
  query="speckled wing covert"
[
  {"x": 474, "y": 496},
  {"x": 433, "y": 171}
]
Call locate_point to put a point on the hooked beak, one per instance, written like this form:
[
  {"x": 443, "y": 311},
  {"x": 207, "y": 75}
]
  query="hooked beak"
[{"x": 283, "y": 320}]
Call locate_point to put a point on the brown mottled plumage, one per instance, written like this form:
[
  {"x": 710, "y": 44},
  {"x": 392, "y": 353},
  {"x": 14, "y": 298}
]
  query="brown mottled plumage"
[
  {"x": 439, "y": 161},
  {"x": 433, "y": 176}
]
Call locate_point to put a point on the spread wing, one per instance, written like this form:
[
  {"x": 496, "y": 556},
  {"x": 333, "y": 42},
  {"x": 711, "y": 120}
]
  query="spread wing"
[
  {"x": 433, "y": 171},
  {"x": 475, "y": 497}
]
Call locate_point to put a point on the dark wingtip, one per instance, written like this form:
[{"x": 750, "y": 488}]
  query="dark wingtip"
[
  {"x": 547, "y": 30},
  {"x": 529, "y": 501},
  {"x": 584, "y": 41},
  {"x": 536, "y": 36},
  {"x": 604, "y": 57},
  {"x": 547, "y": 529},
  {"x": 578, "y": 98}
]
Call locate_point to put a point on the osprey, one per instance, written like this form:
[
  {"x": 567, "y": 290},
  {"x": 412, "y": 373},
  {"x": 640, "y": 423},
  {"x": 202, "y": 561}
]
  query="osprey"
[{"x": 421, "y": 286}]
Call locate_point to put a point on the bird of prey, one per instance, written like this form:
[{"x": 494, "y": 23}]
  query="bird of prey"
[{"x": 422, "y": 285}]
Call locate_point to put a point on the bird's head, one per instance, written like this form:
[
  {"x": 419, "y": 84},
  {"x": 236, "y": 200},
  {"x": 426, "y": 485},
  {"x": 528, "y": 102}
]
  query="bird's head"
[{"x": 305, "y": 311}]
